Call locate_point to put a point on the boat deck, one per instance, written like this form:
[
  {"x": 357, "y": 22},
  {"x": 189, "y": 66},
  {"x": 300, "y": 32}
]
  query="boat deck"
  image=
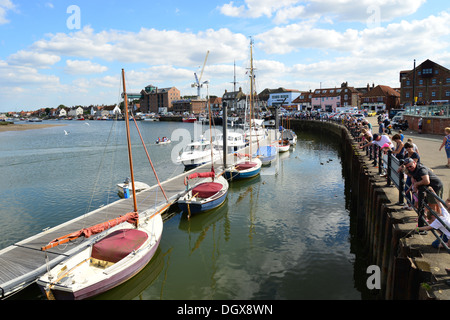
[{"x": 24, "y": 262}]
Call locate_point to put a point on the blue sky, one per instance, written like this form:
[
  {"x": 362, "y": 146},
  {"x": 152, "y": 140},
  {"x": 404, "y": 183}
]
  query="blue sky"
[{"x": 46, "y": 59}]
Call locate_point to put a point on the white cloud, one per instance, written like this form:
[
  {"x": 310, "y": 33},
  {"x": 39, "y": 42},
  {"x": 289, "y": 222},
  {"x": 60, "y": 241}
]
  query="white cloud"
[
  {"x": 5, "y": 6},
  {"x": 151, "y": 46},
  {"x": 33, "y": 59},
  {"x": 341, "y": 10},
  {"x": 424, "y": 38},
  {"x": 83, "y": 67},
  {"x": 14, "y": 75},
  {"x": 230, "y": 10}
]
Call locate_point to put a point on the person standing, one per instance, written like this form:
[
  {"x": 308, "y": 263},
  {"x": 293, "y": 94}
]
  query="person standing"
[
  {"x": 399, "y": 150},
  {"x": 420, "y": 125},
  {"x": 424, "y": 178},
  {"x": 446, "y": 144}
]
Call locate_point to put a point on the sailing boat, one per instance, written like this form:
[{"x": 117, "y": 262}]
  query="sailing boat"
[
  {"x": 128, "y": 247},
  {"x": 247, "y": 166},
  {"x": 283, "y": 145},
  {"x": 208, "y": 193}
]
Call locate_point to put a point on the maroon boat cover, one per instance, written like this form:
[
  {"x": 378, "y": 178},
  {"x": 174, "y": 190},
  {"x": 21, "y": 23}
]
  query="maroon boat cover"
[
  {"x": 118, "y": 244},
  {"x": 207, "y": 189},
  {"x": 245, "y": 165}
]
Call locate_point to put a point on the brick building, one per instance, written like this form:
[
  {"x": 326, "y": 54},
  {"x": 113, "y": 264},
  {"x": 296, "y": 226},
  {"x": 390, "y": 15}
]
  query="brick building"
[
  {"x": 192, "y": 106},
  {"x": 430, "y": 83},
  {"x": 154, "y": 99},
  {"x": 380, "y": 98}
]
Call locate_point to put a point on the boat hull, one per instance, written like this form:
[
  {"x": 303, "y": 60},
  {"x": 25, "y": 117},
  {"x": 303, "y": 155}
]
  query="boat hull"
[
  {"x": 105, "y": 281},
  {"x": 267, "y": 154},
  {"x": 234, "y": 173},
  {"x": 195, "y": 207},
  {"x": 191, "y": 204},
  {"x": 163, "y": 142}
]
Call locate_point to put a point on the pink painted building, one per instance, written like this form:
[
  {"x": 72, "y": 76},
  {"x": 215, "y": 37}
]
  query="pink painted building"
[{"x": 329, "y": 99}]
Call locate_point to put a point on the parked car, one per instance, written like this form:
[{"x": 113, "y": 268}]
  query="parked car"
[
  {"x": 358, "y": 116},
  {"x": 371, "y": 113}
]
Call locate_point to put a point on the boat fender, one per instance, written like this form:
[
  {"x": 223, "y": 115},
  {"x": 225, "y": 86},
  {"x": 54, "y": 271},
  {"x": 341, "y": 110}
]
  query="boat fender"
[{"x": 126, "y": 192}]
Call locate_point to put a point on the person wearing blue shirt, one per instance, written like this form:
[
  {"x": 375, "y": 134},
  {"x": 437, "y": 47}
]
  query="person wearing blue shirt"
[{"x": 446, "y": 143}]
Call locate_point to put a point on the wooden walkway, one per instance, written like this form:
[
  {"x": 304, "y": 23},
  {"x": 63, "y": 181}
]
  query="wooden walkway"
[{"x": 23, "y": 263}]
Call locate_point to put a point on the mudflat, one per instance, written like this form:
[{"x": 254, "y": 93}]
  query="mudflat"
[{"x": 27, "y": 126}]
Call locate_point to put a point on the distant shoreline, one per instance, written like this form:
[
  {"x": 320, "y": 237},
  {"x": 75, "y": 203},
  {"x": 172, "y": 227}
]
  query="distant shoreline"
[{"x": 26, "y": 126}]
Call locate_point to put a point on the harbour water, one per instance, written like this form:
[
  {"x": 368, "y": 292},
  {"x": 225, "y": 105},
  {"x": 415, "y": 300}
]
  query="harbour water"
[{"x": 283, "y": 235}]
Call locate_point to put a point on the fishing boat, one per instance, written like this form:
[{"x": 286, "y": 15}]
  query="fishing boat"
[
  {"x": 235, "y": 142},
  {"x": 283, "y": 145},
  {"x": 190, "y": 119},
  {"x": 256, "y": 132},
  {"x": 206, "y": 194},
  {"x": 125, "y": 245},
  {"x": 197, "y": 153}
]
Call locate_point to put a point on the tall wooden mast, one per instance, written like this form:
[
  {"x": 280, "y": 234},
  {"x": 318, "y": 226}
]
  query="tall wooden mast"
[{"x": 127, "y": 121}]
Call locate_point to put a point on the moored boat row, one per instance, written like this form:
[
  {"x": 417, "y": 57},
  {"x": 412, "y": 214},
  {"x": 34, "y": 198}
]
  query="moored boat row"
[{"x": 126, "y": 244}]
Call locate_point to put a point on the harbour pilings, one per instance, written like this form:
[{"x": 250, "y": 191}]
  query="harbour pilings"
[{"x": 410, "y": 269}]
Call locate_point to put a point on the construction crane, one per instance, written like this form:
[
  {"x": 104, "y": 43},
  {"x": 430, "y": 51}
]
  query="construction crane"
[{"x": 198, "y": 80}]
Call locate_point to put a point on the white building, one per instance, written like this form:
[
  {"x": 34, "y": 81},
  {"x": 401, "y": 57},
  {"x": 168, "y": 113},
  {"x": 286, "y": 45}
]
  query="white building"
[{"x": 283, "y": 98}]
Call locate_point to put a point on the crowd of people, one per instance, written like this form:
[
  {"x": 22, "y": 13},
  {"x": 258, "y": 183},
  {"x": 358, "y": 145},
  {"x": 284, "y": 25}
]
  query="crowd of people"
[{"x": 418, "y": 177}]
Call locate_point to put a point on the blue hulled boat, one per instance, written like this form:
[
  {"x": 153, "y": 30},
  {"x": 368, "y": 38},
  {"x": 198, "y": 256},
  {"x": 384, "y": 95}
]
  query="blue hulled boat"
[
  {"x": 209, "y": 193},
  {"x": 243, "y": 169},
  {"x": 267, "y": 154}
]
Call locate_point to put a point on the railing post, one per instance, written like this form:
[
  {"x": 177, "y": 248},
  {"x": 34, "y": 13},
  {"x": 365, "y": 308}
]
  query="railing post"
[
  {"x": 380, "y": 161},
  {"x": 388, "y": 170},
  {"x": 401, "y": 188},
  {"x": 421, "y": 200}
]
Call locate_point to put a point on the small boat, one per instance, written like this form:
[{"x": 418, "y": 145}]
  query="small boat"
[
  {"x": 105, "y": 264},
  {"x": 256, "y": 132},
  {"x": 244, "y": 168},
  {"x": 267, "y": 154},
  {"x": 150, "y": 119},
  {"x": 163, "y": 141},
  {"x": 235, "y": 142},
  {"x": 126, "y": 187},
  {"x": 207, "y": 194},
  {"x": 283, "y": 145},
  {"x": 197, "y": 153},
  {"x": 122, "y": 247},
  {"x": 190, "y": 119},
  {"x": 34, "y": 120},
  {"x": 288, "y": 134}
]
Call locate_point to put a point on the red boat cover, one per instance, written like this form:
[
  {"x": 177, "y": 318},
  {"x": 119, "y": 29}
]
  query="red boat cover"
[
  {"x": 130, "y": 217},
  {"x": 118, "y": 244},
  {"x": 245, "y": 165},
  {"x": 201, "y": 175},
  {"x": 207, "y": 189}
]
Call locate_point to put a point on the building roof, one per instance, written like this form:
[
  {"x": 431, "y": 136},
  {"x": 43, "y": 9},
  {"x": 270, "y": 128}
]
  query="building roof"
[{"x": 381, "y": 91}]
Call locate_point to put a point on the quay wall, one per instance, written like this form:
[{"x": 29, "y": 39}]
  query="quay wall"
[{"x": 407, "y": 270}]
